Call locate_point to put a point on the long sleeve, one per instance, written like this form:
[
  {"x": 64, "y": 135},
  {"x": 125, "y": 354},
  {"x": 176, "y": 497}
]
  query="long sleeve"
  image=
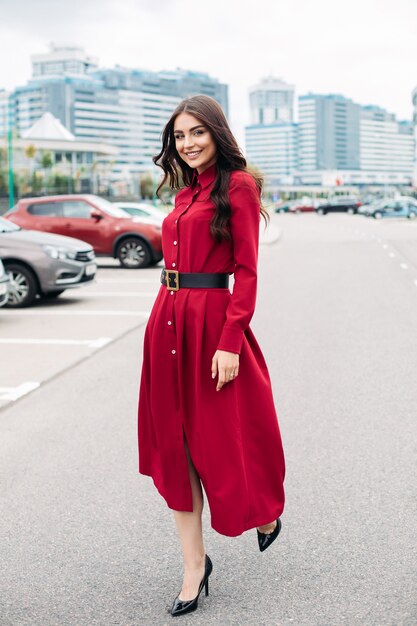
[{"x": 244, "y": 225}]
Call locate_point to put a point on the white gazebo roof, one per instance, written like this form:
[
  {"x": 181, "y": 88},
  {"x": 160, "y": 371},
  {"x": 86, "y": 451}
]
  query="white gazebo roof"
[{"x": 48, "y": 127}]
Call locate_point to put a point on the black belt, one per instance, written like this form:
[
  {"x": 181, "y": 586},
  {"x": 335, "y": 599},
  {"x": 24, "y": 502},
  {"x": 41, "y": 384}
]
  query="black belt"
[{"x": 176, "y": 279}]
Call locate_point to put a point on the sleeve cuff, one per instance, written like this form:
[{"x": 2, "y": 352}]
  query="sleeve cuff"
[{"x": 231, "y": 340}]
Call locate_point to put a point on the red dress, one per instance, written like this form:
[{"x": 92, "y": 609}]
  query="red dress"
[{"x": 232, "y": 434}]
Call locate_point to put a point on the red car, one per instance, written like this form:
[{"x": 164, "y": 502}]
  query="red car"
[
  {"x": 302, "y": 207},
  {"x": 108, "y": 229}
]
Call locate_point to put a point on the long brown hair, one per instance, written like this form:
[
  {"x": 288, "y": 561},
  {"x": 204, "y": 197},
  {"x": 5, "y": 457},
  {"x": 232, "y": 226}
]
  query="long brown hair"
[{"x": 229, "y": 158}]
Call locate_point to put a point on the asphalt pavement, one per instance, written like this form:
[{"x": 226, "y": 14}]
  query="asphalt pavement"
[{"x": 85, "y": 540}]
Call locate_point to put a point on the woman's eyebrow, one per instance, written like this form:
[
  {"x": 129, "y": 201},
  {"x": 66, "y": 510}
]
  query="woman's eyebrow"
[{"x": 193, "y": 128}]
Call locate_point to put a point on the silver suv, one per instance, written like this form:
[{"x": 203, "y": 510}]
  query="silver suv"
[{"x": 42, "y": 264}]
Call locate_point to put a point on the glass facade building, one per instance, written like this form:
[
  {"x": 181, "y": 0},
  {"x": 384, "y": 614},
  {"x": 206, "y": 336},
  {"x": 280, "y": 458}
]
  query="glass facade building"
[{"x": 123, "y": 107}]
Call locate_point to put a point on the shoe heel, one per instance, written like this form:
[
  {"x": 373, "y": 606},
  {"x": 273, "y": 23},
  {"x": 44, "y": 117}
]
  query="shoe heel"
[{"x": 206, "y": 588}]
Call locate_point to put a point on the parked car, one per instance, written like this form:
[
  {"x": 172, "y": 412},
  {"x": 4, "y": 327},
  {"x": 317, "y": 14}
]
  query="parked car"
[
  {"x": 367, "y": 207},
  {"x": 306, "y": 205},
  {"x": 283, "y": 207},
  {"x": 339, "y": 205},
  {"x": 145, "y": 212},
  {"x": 106, "y": 227},
  {"x": 395, "y": 208},
  {"x": 4, "y": 285},
  {"x": 41, "y": 264}
]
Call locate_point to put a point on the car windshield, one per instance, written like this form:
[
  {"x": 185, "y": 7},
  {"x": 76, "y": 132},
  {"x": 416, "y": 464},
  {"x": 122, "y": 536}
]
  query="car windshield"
[
  {"x": 108, "y": 207},
  {"x": 8, "y": 227}
]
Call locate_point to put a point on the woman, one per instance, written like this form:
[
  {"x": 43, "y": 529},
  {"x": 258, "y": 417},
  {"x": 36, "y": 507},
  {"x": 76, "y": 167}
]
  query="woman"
[{"x": 206, "y": 413}]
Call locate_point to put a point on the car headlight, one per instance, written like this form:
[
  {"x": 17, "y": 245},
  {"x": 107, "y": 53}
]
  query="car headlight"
[{"x": 56, "y": 252}]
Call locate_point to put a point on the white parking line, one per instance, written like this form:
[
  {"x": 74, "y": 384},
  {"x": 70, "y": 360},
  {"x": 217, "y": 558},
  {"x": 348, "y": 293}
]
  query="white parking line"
[
  {"x": 91, "y": 343},
  {"x": 13, "y": 393},
  {"x": 71, "y": 313}
]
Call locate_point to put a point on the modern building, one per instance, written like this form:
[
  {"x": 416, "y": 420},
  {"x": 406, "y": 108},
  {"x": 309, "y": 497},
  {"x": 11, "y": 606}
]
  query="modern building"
[
  {"x": 329, "y": 132},
  {"x": 342, "y": 142},
  {"x": 271, "y": 101},
  {"x": 386, "y": 145},
  {"x": 273, "y": 148},
  {"x": 123, "y": 107},
  {"x": 271, "y": 140}
]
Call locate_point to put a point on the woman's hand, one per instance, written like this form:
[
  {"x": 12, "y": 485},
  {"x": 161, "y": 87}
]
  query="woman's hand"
[{"x": 226, "y": 364}]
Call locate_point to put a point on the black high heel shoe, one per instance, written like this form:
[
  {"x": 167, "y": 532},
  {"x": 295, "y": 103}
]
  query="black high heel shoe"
[
  {"x": 180, "y": 607},
  {"x": 265, "y": 539}
]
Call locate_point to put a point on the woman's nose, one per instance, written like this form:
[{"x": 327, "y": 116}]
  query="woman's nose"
[{"x": 188, "y": 142}]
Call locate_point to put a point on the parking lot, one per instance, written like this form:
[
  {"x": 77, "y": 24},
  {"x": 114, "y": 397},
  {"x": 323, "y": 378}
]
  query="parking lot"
[
  {"x": 335, "y": 319},
  {"x": 39, "y": 342}
]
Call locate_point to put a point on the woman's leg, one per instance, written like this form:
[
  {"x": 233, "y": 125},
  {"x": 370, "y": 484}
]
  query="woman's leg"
[{"x": 190, "y": 531}]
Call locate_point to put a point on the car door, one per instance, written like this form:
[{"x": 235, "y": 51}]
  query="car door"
[
  {"x": 80, "y": 224},
  {"x": 390, "y": 209},
  {"x": 401, "y": 209},
  {"x": 46, "y": 216}
]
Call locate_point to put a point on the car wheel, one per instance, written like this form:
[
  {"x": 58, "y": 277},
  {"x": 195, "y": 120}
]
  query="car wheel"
[
  {"x": 50, "y": 295},
  {"x": 412, "y": 215},
  {"x": 320, "y": 212},
  {"x": 281, "y": 211},
  {"x": 23, "y": 286},
  {"x": 377, "y": 215},
  {"x": 133, "y": 253},
  {"x": 351, "y": 211}
]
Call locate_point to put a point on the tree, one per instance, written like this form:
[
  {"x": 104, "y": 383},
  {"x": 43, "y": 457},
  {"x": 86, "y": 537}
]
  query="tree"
[{"x": 46, "y": 160}]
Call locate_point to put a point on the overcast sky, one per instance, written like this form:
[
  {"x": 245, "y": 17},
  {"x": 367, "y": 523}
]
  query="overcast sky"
[{"x": 363, "y": 49}]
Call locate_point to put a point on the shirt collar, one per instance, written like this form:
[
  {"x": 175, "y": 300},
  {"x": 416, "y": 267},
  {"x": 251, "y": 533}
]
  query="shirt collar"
[{"x": 206, "y": 177}]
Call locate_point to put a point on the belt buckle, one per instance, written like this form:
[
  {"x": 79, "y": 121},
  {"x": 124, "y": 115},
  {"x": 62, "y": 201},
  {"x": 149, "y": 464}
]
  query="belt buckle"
[{"x": 176, "y": 279}]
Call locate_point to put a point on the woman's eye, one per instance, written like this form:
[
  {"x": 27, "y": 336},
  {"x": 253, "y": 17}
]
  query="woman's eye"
[{"x": 199, "y": 132}]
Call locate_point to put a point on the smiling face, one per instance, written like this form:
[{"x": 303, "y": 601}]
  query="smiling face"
[{"x": 194, "y": 142}]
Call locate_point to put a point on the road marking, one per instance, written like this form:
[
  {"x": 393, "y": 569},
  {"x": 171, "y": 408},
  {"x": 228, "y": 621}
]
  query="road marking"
[
  {"x": 31, "y": 313},
  {"x": 14, "y": 393},
  {"x": 91, "y": 343},
  {"x": 404, "y": 266}
]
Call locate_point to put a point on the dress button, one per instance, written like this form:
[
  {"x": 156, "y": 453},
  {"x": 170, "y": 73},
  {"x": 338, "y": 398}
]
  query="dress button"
[
  {"x": 169, "y": 323},
  {"x": 173, "y": 265},
  {"x": 175, "y": 243},
  {"x": 176, "y": 221},
  {"x": 172, "y": 293},
  {"x": 173, "y": 351}
]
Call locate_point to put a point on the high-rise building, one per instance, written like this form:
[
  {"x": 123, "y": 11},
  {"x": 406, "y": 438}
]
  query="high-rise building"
[
  {"x": 386, "y": 145},
  {"x": 273, "y": 148},
  {"x": 271, "y": 140},
  {"x": 271, "y": 101},
  {"x": 123, "y": 107},
  {"x": 329, "y": 132},
  {"x": 345, "y": 141}
]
